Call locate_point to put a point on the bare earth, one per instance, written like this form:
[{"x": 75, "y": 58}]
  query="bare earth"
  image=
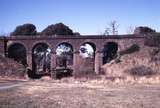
[{"x": 51, "y": 94}]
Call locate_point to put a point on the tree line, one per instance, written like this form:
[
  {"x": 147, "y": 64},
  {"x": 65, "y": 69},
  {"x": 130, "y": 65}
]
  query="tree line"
[
  {"x": 61, "y": 29},
  {"x": 54, "y": 29},
  {"x": 113, "y": 26}
]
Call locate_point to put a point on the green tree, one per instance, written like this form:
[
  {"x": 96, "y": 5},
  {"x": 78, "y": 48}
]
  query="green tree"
[
  {"x": 143, "y": 30},
  {"x": 57, "y": 29},
  {"x": 25, "y": 29}
]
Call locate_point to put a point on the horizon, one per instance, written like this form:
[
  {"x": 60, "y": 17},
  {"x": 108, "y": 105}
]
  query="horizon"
[{"x": 86, "y": 16}]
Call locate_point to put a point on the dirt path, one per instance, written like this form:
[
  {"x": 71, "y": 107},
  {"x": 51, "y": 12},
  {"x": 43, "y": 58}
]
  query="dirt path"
[{"x": 8, "y": 84}]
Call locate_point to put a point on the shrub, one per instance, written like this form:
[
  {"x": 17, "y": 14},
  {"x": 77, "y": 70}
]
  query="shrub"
[
  {"x": 25, "y": 29},
  {"x": 154, "y": 54},
  {"x": 143, "y": 30},
  {"x": 11, "y": 68},
  {"x": 131, "y": 49},
  {"x": 57, "y": 29},
  {"x": 140, "y": 71}
]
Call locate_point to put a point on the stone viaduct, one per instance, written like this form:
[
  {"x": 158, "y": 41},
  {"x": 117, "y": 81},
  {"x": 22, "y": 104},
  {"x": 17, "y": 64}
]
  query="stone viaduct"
[{"x": 97, "y": 41}]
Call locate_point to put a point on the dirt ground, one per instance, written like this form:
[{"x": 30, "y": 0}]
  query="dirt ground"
[{"x": 54, "y": 94}]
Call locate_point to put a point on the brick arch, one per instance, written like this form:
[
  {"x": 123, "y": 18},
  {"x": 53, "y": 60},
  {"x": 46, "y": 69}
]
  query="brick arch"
[
  {"x": 94, "y": 46},
  {"x": 109, "y": 41},
  {"x": 45, "y": 66},
  {"x": 68, "y": 61},
  {"x": 41, "y": 42},
  {"x": 109, "y": 51},
  {"x": 18, "y": 52},
  {"x": 65, "y": 42},
  {"x": 20, "y": 43}
]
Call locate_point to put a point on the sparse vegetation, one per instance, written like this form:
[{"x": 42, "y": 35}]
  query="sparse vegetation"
[
  {"x": 11, "y": 68},
  {"x": 133, "y": 48},
  {"x": 135, "y": 62},
  {"x": 140, "y": 71},
  {"x": 93, "y": 94},
  {"x": 112, "y": 28}
]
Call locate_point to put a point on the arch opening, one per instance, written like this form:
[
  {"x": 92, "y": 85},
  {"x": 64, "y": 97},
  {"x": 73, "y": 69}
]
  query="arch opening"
[
  {"x": 87, "y": 50},
  {"x": 41, "y": 59},
  {"x": 109, "y": 52},
  {"x": 87, "y": 61},
  {"x": 64, "y": 55},
  {"x": 17, "y": 52},
  {"x": 64, "y": 60}
]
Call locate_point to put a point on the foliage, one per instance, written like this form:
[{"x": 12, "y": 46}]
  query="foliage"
[
  {"x": 133, "y": 48},
  {"x": 64, "y": 53},
  {"x": 109, "y": 52},
  {"x": 140, "y": 71},
  {"x": 25, "y": 29},
  {"x": 57, "y": 29},
  {"x": 87, "y": 51},
  {"x": 143, "y": 30},
  {"x": 41, "y": 54},
  {"x": 11, "y": 68},
  {"x": 154, "y": 54},
  {"x": 18, "y": 53}
]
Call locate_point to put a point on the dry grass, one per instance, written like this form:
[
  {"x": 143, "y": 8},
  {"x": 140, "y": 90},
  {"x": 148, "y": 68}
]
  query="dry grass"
[
  {"x": 79, "y": 94},
  {"x": 117, "y": 89},
  {"x": 138, "y": 64}
]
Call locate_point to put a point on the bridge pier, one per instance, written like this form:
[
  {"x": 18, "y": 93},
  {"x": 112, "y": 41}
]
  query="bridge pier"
[
  {"x": 29, "y": 59},
  {"x": 3, "y": 46},
  {"x": 53, "y": 60},
  {"x": 98, "y": 62},
  {"x": 76, "y": 63}
]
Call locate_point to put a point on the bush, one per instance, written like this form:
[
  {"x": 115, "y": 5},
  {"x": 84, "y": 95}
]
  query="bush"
[
  {"x": 11, "y": 68},
  {"x": 131, "y": 49},
  {"x": 25, "y": 29},
  {"x": 143, "y": 30},
  {"x": 140, "y": 71},
  {"x": 154, "y": 54},
  {"x": 57, "y": 29}
]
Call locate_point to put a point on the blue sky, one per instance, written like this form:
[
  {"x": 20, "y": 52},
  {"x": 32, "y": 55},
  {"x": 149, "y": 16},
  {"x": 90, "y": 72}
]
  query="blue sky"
[{"x": 84, "y": 16}]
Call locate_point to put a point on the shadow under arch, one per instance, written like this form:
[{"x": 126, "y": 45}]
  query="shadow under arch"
[
  {"x": 41, "y": 59},
  {"x": 109, "y": 51},
  {"x": 17, "y": 51}
]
